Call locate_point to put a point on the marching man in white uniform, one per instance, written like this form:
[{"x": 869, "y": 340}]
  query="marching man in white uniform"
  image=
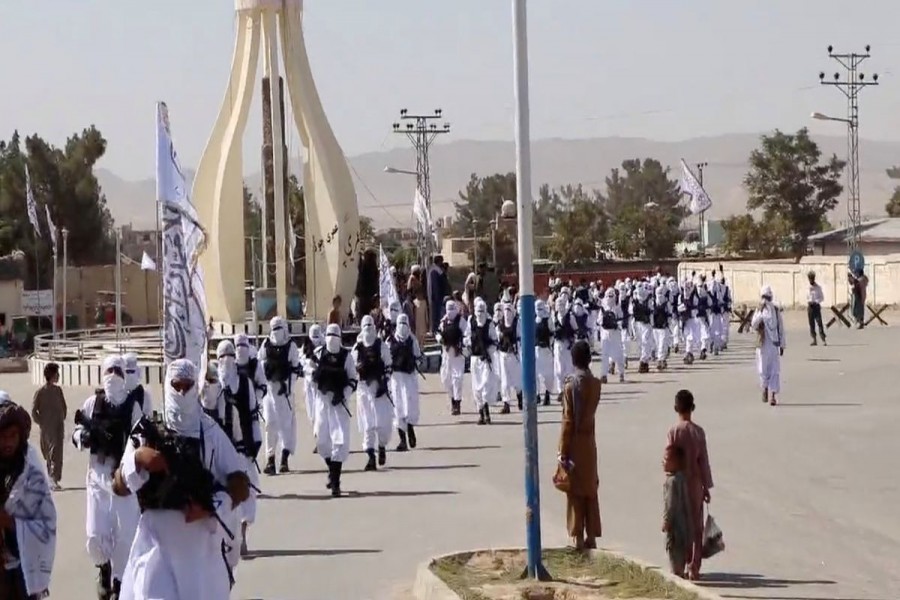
[
  {"x": 374, "y": 412},
  {"x": 768, "y": 323},
  {"x": 481, "y": 344},
  {"x": 543, "y": 352},
  {"x": 335, "y": 379},
  {"x": 509, "y": 332},
  {"x": 133, "y": 385},
  {"x": 450, "y": 334},
  {"x": 405, "y": 357},
  {"x": 611, "y": 350},
  {"x": 102, "y": 427},
  {"x": 177, "y": 552},
  {"x": 280, "y": 358}
]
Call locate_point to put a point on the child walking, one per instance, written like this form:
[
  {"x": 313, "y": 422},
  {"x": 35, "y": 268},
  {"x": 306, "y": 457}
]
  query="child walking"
[
  {"x": 49, "y": 412},
  {"x": 677, "y": 523}
]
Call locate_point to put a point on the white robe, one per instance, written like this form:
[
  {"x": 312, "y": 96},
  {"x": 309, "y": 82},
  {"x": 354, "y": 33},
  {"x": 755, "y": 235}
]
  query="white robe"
[
  {"x": 768, "y": 356},
  {"x": 485, "y": 378},
  {"x": 332, "y": 424},
  {"x": 174, "y": 560},
  {"x": 30, "y": 504},
  {"x": 374, "y": 414},
  {"x": 278, "y": 408}
]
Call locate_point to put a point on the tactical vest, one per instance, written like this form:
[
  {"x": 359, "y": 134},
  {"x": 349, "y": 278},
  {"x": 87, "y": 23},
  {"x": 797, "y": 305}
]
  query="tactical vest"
[
  {"x": 509, "y": 338},
  {"x": 277, "y": 365},
  {"x": 369, "y": 362},
  {"x": 641, "y": 311},
  {"x": 542, "y": 333},
  {"x": 239, "y": 402},
  {"x": 481, "y": 338},
  {"x": 330, "y": 374},
  {"x": 714, "y": 305},
  {"x": 608, "y": 319},
  {"x": 661, "y": 316},
  {"x": 136, "y": 396},
  {"x": 582, "y": 331},
  {"x": 188, "y": 480},
  {"x": 111, "y": 425},
  {"x": 624, "y": 304},
  {"x": 308, "y": 348},
  {"x": 451, "y": 333},
  {"x": 248, "y": 370},
  {"x": 403, "y": 359},
  {"x": 702, "y": 306},
  {"x": 564, "y": 331},
  {"x": 690, "y": 303}
]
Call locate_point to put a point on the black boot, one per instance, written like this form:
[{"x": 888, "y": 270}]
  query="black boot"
[
  {"x": 519, "y": 399},
  {"x": 487, "y": 414},
  {"x": 402, "y": 447},
  {"x": 116, "y": 589},
  {"x": 411, "y": 433},
  {"x": 104, "y": 581},
  {"x": 382, "y": 456},
  {"x": 284, "y": 462},
  {"x": 370, "y": 466},
  {"x": 270, "y": 466},
  {"x": 336, "y": 478},
  {"x": 481, "y": 419},
  {"x": 315, "y": 449},
  {"x": 505, "y": 409},
  {"x": 547, "y": 398},
  {"x": 328, "y": 464},
  {"x": 455, "y": 407}
]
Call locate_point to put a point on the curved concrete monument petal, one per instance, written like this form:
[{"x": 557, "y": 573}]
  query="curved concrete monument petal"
[{"x": 332, "y": 228}]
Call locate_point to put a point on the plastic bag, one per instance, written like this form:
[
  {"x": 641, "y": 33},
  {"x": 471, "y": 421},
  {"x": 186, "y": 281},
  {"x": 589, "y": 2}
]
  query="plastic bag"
[{"x": 713, "y": 538}]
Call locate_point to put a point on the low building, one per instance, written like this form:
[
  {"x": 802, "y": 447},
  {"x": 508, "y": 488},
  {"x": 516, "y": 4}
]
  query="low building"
[{"x": 876, "y": 238}]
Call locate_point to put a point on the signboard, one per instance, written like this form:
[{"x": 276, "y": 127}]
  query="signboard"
[
  {"x": 37, "y": 303},
  {"x": 857, "y": 262}
]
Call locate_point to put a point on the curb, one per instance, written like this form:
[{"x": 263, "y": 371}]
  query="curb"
[{"x": 429, "y": 586}]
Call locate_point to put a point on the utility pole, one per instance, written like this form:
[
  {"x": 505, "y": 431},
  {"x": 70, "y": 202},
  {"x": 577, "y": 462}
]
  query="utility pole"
[
  {"x": 422, "y": 130},
  {"x": 700, "y": 167},
  {"x": 851, "y": 85}
]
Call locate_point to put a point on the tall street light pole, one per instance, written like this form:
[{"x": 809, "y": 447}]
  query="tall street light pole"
[
  {"x": 535, "y": 568},
  {"x": 851, "y": 85}
]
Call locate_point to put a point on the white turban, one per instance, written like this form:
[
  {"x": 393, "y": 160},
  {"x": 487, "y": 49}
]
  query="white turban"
[
  {"x": 182, "y": 410},
  {"x": 765, "y": 291}
]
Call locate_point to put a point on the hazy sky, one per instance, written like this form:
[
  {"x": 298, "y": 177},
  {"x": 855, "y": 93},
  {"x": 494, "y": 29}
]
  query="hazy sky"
[{"x": 662, "y": 69}]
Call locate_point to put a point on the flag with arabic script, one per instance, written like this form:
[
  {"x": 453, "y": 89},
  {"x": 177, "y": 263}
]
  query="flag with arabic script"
[
  {"x": 387, "y": 289},
  {"x": 52, "y": 228},
  {"x": 31, "y": 204},
  {"x": 184, "y": 298},
  {"x": 690, "y": 185}
]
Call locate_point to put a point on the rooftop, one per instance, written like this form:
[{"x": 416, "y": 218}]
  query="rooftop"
[{"x": 879, "y": 230}]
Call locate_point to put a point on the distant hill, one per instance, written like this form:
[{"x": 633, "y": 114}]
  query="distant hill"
[{"x": 387, "y": 198}]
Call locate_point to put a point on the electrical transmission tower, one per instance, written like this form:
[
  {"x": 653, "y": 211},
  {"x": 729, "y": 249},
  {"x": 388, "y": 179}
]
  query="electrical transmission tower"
[
  {"x": 422, "y": 130},
  {"x": 851, "y": 85}
]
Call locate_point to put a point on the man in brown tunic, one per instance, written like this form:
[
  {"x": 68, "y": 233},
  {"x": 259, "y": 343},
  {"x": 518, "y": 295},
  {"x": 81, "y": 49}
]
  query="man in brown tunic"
[
  {"x": 691, "y": 438},
  {"x": 49, "y": 412},
  {"x": 578, "y": 449}
]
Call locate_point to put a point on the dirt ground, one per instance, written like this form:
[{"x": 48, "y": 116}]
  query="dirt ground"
[{"x": 496, "y": 575}]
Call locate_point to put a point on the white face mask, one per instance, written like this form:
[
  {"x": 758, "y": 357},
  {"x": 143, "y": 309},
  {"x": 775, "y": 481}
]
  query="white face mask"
[
  {"x": 132, "y": 379},
  {"x": 227, "y": 364},
  {"x": 481, "y": 317},
  {"x": 332, "y": 344},
  {"x": 279, "y": 335},
  {"x": 114, "y": 388},
  {"x": 369, "y": 334},
  {"x": 242, "y": 354},
  {"x": 402, "y": 332},
  {"x": 579, "y": 310},
  {"x": 183, "y": 410}
]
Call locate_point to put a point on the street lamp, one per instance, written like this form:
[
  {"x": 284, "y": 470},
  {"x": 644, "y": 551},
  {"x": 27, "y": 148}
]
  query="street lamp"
[
  {"x": 823, "y": 117},
  {"x": 395, "y": 171}
]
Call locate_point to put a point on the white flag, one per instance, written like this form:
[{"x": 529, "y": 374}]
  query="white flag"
[
  {"x": 292, "y": 243},
  {"x": 52, "y": 228},
  {"x": 387, "y": 290},
  {"x": 147, "y": 263},
  {"x": 700, "y": 200},
  {"x": 31, "y": 204},
  {"x": 423, "y": 215},
  {"x": 184, "y": 321}
]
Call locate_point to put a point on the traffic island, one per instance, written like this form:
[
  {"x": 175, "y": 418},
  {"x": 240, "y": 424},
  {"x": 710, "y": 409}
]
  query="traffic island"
[{"x": 593, "y": 575}]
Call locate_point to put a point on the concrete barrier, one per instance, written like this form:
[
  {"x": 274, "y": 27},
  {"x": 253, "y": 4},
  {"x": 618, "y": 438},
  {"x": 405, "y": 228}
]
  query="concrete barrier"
[{"x": 789, "y": 282}]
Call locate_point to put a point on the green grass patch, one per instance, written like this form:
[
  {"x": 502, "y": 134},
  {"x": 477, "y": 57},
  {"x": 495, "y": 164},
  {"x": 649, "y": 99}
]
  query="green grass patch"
[{"x": 493, "y": 575}]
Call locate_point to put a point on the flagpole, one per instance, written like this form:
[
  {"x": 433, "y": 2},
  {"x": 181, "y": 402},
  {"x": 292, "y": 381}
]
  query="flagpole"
[
  {"x": 65, "y": 278},
  {"x": 118, "y": 284},
  {"x": 55, "y": 311}
]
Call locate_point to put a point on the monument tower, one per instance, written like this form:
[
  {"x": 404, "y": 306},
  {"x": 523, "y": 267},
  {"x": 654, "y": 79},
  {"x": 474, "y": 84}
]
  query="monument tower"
[{"x": 274, "y": 27}]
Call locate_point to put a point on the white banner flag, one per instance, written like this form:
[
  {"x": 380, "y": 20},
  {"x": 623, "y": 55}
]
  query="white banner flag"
[
  {"x": 30, "y": 204},
  {"x": 423, "y": 216},
  {"x": 184, "y": 321},
  {"x": 700, "y": 200},
  {"x": 52, "y": 228},
  {"x": 387, "y": 290},
  {"x": 147, "y": 263}
]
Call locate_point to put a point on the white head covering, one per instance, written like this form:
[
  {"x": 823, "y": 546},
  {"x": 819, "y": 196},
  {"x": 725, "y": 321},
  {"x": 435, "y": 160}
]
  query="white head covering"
[
  {"x": 540, "y": 308},
  {"x": 578, "y": 307},
  {"x": 132, "y": 374},
  {"x": 316, "y": 335},
  {"x": 451, "y": 309},
  {"x": 481, "y": 312},
  {"x": 333, "y": 341},
  {"x": 402, "y": 331},
  {"x": 4, "y": 397},
  {"x": 182, "y": 411},
  {"x": 227, "y": 364},
  {"x": 242, "y": 350},
  {"x": 278, "y": 333},
  {"x": 394, "y": 310},
  {"x": 114, "y": 384},
  {"x": 766, "y": 291},
  {"x": 368, "y": 333}
]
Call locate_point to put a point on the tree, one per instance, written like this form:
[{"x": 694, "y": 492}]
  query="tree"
[
  {"x": 366, "y": 232},
  {"x": 63, "y": 181},
  {"x": 297, "y": 208},
  {"x": 580, "y": 224},
  {"x": 252, "y": 238},
  {"x": 893, "y": 205},
  {"x": 481, "y": 201},
  {"x": 744, "y": 235},
  {"x": 787, "y": 180},
  {"x": 645, "y": 208}
]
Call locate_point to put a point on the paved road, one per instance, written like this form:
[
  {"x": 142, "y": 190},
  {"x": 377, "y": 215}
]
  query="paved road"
[{"x": 807, "y": 493}]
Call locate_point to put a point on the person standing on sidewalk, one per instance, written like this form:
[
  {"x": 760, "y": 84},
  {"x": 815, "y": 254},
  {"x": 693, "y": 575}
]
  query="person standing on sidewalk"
[
  {"x": 814, "y": 299},
  {"x": 49, "y": 412}
]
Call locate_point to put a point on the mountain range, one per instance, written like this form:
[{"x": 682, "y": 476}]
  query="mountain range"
[{"x": 387, "y": 198}]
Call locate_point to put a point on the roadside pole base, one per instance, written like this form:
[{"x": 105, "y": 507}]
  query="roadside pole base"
[{"x": 542, "y": 574}]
